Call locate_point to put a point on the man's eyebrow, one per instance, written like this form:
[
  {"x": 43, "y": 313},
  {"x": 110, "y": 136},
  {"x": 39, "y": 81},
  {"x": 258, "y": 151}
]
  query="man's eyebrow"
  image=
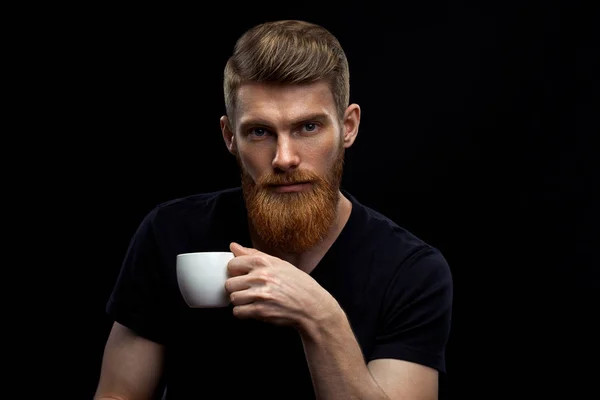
[
  {"x": 255, "y": 122},
  {"x": 317, "y": 117}
]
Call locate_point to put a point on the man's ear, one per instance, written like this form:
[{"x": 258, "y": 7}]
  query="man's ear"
[
  {"x": 228, "y": 135},
  {"x": 351, "y": 123}
]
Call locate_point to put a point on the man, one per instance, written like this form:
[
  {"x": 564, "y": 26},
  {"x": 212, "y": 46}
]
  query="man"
[{"x": 329, "y": 299}]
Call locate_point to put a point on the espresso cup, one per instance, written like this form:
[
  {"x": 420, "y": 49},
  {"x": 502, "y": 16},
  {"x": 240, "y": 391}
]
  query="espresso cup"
[{"x": 201, "y": 278}]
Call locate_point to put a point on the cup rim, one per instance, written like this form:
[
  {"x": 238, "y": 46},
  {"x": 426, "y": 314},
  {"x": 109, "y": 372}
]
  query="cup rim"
[{"x": 204, "y": 252}]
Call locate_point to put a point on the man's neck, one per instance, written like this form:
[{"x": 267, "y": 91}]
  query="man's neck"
[{"x": 308, "y": 260}]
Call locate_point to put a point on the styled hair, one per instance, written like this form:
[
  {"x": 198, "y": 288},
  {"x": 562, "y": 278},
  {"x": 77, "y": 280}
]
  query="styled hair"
[{"x": 287, "y": 52}]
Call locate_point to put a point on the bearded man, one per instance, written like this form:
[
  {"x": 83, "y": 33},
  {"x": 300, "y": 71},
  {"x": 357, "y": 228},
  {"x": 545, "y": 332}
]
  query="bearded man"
[{"x": 329, "y": 299}]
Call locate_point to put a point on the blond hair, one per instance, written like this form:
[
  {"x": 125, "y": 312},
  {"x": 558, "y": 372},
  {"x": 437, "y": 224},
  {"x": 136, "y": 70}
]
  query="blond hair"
[{"x": 287, "y": 52}]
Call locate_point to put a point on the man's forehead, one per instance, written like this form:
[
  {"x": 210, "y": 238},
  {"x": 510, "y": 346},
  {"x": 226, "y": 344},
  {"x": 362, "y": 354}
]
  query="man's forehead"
[{"x": 283, "y": 102}]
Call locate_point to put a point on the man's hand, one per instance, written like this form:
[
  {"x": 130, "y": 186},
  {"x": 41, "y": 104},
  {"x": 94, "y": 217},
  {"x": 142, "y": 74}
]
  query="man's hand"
[{"x": 270, "y": 289}]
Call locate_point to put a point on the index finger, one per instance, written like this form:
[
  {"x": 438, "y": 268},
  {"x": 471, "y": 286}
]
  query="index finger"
[{"x": 239, "y": 265}]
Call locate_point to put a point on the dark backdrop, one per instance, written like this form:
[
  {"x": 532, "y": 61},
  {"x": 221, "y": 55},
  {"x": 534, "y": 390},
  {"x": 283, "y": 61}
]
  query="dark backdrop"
[{"x": 477, "y": 130}]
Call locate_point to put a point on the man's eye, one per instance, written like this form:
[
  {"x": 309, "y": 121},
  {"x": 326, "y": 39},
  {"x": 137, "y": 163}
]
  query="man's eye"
[
  {"x": 310, "y": 127},
  {"x": 258, "y": 132}
]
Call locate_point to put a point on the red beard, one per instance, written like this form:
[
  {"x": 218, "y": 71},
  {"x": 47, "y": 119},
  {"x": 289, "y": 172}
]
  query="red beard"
[{"x": 293, "y": 222}]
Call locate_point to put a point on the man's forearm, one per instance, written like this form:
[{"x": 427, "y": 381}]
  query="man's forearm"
[{"x": 336, "y": 363}]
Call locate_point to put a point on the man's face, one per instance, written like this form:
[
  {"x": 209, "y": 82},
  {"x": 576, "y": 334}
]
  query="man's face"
[{"x": 288, "y": 143}]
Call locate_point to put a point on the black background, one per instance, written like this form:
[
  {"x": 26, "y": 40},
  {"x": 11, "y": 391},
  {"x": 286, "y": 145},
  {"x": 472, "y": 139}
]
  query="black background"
[{"x": 476, "y": 135}]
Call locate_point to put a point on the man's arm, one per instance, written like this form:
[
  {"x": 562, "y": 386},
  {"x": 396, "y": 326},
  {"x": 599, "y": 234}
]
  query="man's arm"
[
  {"x": 338, "y": 369},
  {"x": 417, "y": 318},
  {"x": 131, "y": 366}
]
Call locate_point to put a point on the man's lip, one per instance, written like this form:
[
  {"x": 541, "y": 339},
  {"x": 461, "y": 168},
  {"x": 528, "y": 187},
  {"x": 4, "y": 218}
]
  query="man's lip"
[
  {"x": 290, "y": 187},
  {"x": 290, "y": 184}
]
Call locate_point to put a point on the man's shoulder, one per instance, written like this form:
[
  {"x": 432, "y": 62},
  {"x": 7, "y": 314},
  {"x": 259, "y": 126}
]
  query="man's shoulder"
[
  {"x": 202, "y": 199},
  {"x": 202, "y": 204},
  {"x": 375, "y": 224},
  {"x": 388, "y": 238}
]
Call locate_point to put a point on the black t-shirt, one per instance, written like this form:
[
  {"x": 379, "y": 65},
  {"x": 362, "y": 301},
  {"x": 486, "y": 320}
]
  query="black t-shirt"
[{"x": 395, "y": 289}]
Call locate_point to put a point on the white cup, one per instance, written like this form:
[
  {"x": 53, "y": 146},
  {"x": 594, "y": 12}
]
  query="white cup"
[{"x": 201, "y": 278}]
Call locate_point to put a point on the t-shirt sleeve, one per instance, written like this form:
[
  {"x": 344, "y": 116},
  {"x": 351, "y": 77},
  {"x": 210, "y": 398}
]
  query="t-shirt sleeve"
[
  {"x": 417, "y": 312},
  {"x": 138, "y": 297}
]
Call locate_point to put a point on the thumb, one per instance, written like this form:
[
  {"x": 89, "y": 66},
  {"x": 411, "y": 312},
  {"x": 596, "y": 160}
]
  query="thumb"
[{"x": 239, "y": 250}]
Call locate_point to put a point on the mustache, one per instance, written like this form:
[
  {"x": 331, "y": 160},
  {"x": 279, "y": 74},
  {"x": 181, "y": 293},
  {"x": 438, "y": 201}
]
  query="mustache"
[{"x": 288, "y": 178}]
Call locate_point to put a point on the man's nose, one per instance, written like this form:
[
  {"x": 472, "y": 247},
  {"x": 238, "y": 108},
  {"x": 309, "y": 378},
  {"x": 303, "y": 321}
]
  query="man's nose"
[{"x": 286, "y": 157}]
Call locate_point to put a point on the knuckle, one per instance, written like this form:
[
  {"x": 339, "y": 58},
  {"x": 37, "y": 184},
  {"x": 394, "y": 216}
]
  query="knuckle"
[
  {"x": 267, "y": 313},
  {"x": 264, "y": 274},
  {"x": 259, "y": 261},
  {"x": 265, "y": 293}
]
